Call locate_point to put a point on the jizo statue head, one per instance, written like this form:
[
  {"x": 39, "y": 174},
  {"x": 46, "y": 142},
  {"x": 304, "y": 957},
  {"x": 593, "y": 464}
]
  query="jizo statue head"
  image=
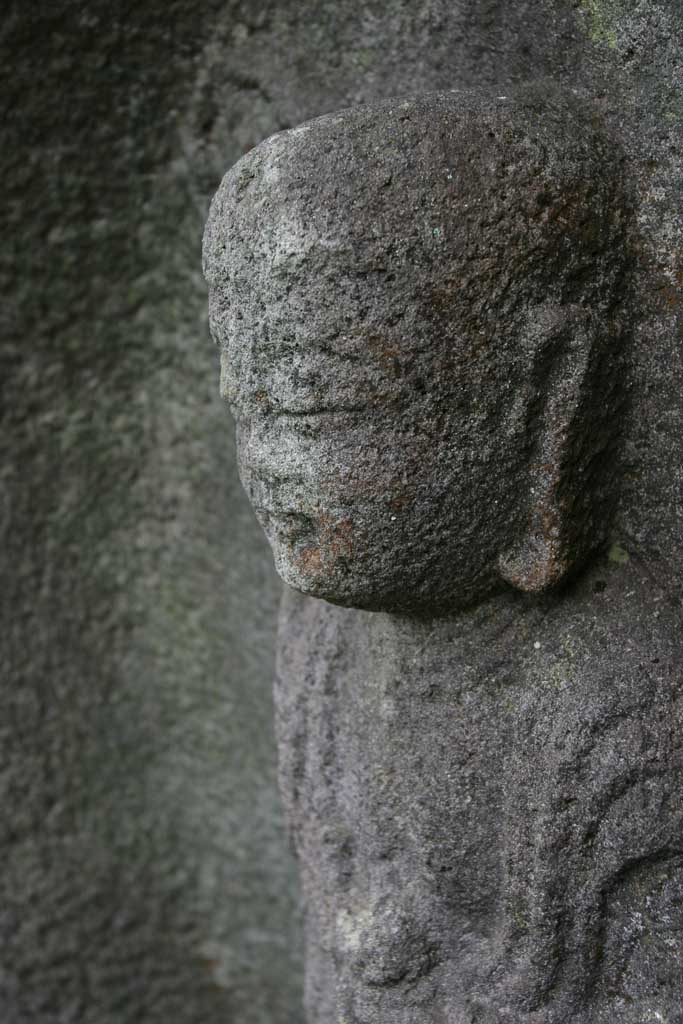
[{"x": 417, "y": 309}]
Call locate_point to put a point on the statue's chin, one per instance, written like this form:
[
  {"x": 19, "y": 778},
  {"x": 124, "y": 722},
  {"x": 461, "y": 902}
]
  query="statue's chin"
[
  {"x": 326, "y": 572},
  {"x": 339, "y": 585},
  {"x": 316, "y": 573},
  {"x": 313, "y": 572}
]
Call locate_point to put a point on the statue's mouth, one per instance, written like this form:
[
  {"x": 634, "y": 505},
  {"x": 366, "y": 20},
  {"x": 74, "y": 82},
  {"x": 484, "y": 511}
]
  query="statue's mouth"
[
  {"x": 319, "y": 418},
  {"x": 284, "y": 525}
]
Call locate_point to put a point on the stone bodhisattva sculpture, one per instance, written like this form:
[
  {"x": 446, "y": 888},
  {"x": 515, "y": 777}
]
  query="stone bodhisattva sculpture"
[{"x": 421, "y": 311}]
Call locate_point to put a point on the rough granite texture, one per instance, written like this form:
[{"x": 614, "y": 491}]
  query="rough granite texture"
[
  {"x": 424, "y": 314},
  {"x": 420, "y": 312},
  {"x": 487, "y": 807},
  {"x": 144, "y": 873},
  {"x": 427, "y": 311}
]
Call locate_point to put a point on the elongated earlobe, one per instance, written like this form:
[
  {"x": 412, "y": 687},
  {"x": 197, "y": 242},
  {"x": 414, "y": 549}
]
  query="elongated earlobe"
[
  {"x": 536, "y": 564},
  {"x": 560, "y": 342}
]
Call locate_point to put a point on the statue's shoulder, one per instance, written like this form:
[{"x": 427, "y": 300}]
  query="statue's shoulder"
[
  {"x": 596, "y": 709},
  {"x": 608, "y": 655}
]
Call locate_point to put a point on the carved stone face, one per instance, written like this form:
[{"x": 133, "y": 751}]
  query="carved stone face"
[
  {"x": 392, "y": 290},
  {"x": 369, "y": 459}
]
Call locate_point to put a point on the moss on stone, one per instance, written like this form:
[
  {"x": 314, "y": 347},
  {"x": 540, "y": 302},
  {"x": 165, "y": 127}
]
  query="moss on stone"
[{"x": 601, "y": 18}]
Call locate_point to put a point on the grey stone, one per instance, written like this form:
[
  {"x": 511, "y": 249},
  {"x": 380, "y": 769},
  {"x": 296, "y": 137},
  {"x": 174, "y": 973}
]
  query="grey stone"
[
  {"x": 417, "y": 306},
  {"x": 424, "y": 311},
  {"x": 487, "y": 807},
  {"x": 144, "y": 871}
]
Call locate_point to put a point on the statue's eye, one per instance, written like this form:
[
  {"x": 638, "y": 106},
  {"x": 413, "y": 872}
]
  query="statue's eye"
[{"x": 642, "y": 930}]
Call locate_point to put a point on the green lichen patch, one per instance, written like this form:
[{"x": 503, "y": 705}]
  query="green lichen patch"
[
  {"x": 601, "y": 20},
  {"x": 618, "y": 555}
]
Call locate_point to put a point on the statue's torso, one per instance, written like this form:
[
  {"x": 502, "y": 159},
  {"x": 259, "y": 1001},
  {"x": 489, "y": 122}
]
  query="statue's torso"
[{"x": 487, "y": 808}]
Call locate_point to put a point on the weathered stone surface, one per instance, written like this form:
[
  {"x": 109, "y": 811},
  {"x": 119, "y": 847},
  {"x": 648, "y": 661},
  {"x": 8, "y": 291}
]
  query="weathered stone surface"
[
  {"x": 488, "y": 807},
  {"x": 425, "y": 310},
  {"x": 145, "y": 874},
  {"x": 418, "y": 311},
  {"x": 137, "y": 593}
]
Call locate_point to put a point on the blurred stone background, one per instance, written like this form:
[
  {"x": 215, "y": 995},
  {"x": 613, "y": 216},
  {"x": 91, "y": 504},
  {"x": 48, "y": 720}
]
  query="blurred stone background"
[{"x": 145, "y": 870}]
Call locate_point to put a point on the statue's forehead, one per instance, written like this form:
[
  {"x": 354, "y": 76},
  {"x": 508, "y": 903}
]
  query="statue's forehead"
[
  {"x": 405, "y": 134},
  {"x": 410, "y": 182}
]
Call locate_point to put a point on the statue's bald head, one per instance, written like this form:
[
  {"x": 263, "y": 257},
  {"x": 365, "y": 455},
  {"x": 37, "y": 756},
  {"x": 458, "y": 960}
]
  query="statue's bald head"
[{"x": 392, "y": 288}]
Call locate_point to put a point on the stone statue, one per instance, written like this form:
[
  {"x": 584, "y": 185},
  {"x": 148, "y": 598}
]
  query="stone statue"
[{"x": 422, "y": 313}]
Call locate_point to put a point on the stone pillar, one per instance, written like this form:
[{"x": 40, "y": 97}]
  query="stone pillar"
[{"x": 423, "y": 309}]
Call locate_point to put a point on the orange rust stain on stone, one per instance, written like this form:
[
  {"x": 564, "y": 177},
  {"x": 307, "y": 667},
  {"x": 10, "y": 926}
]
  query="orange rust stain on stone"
[
  {"x": 310, "y": 560},
  {"x": 399, "y": 502},
  {"x": 670, "y": 292},
  {"x": 385, "y": 352},
  {"x": 335, "y": 543},
  {"x": 337, "y": 536}
]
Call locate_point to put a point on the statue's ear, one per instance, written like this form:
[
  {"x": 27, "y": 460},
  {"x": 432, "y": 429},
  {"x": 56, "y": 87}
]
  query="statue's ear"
[{"x": 559, "y": 343}]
